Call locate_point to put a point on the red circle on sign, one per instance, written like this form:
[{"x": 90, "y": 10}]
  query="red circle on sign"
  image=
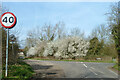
[{"x": 13, "y": 22}]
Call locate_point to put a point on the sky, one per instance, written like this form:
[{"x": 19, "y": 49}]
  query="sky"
[
  {"x": 59, "y": 0},
  {"x": 85, "y": 15}
]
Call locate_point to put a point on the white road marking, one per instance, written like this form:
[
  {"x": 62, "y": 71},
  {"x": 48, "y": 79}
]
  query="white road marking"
[
  {"x": 93, "y": 72},
  {"x": 101, "y": 72},
  {"x": 98, "y": 71},
  {"x": 85, "y": 65},
  {"x": 113, "y": 72},
  {"x": 92, "y": 68}
]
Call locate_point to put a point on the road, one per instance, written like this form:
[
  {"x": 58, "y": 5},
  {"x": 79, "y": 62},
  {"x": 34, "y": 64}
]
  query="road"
[{"x": 81, "y": 69}]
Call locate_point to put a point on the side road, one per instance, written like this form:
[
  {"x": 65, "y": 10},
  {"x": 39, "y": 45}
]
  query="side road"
[{"x": 45, "y": 69}]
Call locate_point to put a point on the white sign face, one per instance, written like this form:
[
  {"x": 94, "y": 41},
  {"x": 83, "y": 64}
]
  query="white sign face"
[{"x": 8, "y": 20}]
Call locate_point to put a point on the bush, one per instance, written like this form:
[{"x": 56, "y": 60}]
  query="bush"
[
  {"x": 100, "y": 49},
  {"x": 70, "y": 47},
  {"x": 37, "y": 50}
]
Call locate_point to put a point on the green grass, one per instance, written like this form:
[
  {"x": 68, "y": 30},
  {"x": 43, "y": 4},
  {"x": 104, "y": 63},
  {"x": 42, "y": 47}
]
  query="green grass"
[
  {"x": 75, "y": 60},
  {"x": 19, "y": 71},
  {"x": 116, "y": 67}
]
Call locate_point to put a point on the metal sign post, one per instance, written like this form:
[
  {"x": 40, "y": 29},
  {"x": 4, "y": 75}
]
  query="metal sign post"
[
  {"x": 7, "y": 51},
  {"x": 7, "y": 20}
]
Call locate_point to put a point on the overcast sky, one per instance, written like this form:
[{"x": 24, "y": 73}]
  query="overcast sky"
[{"x": 85, "y": 15}]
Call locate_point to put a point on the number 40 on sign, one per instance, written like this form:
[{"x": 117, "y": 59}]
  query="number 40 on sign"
[{"x": 8, "y": 20}]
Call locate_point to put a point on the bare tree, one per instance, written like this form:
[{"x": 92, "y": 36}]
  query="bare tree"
[
  {"x": 77, "y": 32},
  {"x": 60, "y": 30},
  {"x": 31, "y": 40},
  {"x": 45, "y": 33},
  {"x": 113, "y": 15},
  {"x": 102, "y": 33}
]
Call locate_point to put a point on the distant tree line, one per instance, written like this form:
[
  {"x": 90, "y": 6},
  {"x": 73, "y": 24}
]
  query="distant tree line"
[{"x": 104, "y": 39}]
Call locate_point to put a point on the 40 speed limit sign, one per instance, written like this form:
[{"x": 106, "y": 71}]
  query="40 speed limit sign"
[{"x": 8, "y": 20}]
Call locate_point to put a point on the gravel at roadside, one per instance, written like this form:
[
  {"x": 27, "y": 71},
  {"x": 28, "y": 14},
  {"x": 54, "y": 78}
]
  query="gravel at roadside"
[{"x": 45, "y": 69}]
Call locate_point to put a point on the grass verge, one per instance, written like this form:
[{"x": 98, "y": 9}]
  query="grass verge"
[
  {"x": 116, "y": 67},
  {"x": 19, "y": 71},
  {"x": 74, "y": 60}
]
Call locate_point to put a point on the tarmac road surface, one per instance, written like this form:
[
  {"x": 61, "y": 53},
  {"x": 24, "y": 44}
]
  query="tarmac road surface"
[{"x": 78, "y": 69}]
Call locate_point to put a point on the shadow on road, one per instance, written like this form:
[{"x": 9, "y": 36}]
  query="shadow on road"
[
  {"x": 45, "y": 70},
  {"x": 37, "y": 67}
]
